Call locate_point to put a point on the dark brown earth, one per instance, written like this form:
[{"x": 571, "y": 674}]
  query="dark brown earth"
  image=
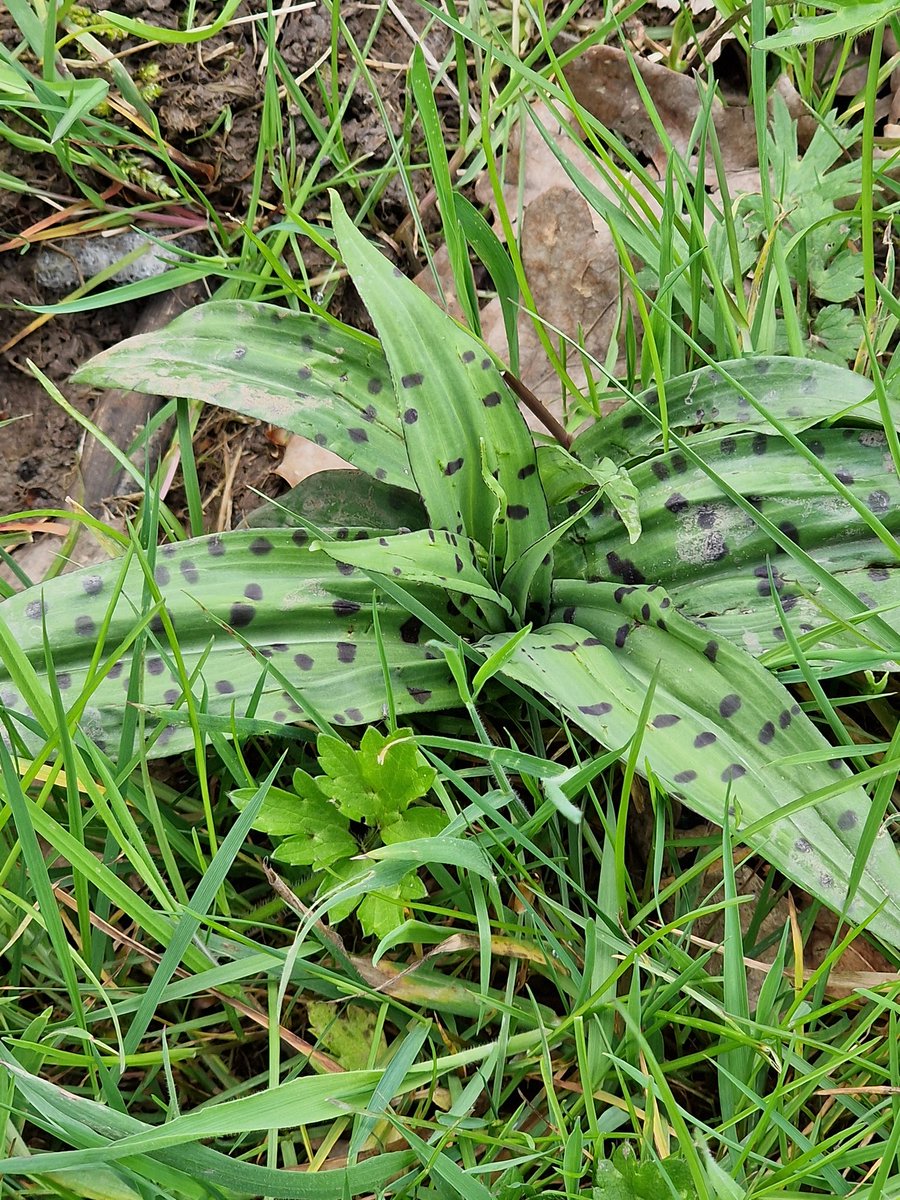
[{"x": 39, "y": 451}]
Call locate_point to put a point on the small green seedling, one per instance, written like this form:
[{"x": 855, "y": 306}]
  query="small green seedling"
[{"x": 363, "y": 799}]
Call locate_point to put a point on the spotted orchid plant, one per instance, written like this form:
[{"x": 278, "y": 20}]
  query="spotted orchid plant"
[{"x": 635, "y": 582}]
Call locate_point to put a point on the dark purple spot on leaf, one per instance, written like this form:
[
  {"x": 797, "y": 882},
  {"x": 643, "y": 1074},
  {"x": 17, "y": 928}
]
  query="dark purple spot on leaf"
[
  {"x": 454, "y": 466},
  {"x": 491, "y": 400},
  {"x": 733, "y": 771},
  {"x": 215, "y": 547},
  {"x": 155, "y": 666},
  {"x": 879, "y": 502},
  {"x": 729, "y": 705},
  {"x": 624, "y": 568},
  {"x": 665, "y": 720},
  {"x": 706, "y": 516},
  {"x": 526, "y": 471},
  {"x": 260, "y": 546},
  {"x": 345, "y": 608},
  {"x": 420, "y": 695},
  {"x": 84, "y": 627},
  {"x": 411, "y": 416},
  {"x": 659, "y": 469},
  {"x": 253, "y": 591},
  {"x": 704, "y": 739},
  {"x": 161, "y": 575},
  {"x": 789, "y": 530},
  {"x": 847, "y": 820},
  {"x": 621, "y": 635},
  {"x": 374, "y": 387},
  {"x": 517, "y": 512},
  {"x": 711, "y": 650},
  {"x": 410, "y": 630},
  {"x": 304, "y": 662},
  {"x": 415, "y": 379},
  {"x": 676, "y": 503},
  {"x": 766, "y": 733},
  {"x": 92, "y": 585},
  {"x": 241, "y": 615},
  {"x": 357, "y": 435},
  {"x": 685, "y": 776},
  {"x": 346, "y": 652},
  {"x": 595, "y": 710}
]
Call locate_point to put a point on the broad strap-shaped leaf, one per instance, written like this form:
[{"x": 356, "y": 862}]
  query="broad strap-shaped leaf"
[
  {"x": 453, "y": 407},
  {"x": 341, "y": 503},
  {"x": 719, "y": 726},
  {"x": 295, "y": 370},
  {"x": 800, "y": 392},
  {"x": 436, "y": 557},
  {"x": 307, "y": 617},
  {"x": 719, "y": 609},
  {"x": 711, "y": 555}
]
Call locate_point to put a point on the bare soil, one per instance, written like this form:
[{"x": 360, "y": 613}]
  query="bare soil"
[{"x": 39, "y": 451}]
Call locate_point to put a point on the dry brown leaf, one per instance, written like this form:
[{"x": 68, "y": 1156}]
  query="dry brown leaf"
[
  {"x": 303, "y": 458},
  {"x": 601, "y": 80},
  {"x": 569, "y": 259}
]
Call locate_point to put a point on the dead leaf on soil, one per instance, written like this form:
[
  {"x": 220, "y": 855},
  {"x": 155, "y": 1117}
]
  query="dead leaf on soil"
[
  {"x": 602, "y": 81},
  {"x": 570, "y": 262},
  {"x": 303, "y": 458}
]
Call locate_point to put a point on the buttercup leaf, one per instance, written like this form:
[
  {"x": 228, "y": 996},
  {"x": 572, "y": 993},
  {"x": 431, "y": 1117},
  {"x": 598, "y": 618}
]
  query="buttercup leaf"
[{"x": 379, "y": 780}]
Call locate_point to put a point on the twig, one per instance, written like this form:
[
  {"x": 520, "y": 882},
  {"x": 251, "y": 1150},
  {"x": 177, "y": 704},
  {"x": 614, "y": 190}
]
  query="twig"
[{"x": 531, "y": 402}]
